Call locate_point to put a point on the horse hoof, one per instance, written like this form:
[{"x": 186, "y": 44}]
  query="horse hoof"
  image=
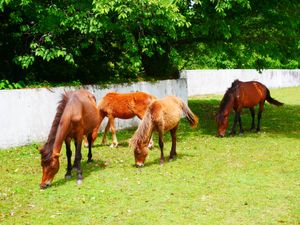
[
  {"x": 89, "y": 161},
  {"x": 68, "y": 176},
  {"x": 86, "y": 145},
  {"x": 113, "y": 145},
  {"x": 79, "y": 182},
  {"x": 150, "y": 145}
]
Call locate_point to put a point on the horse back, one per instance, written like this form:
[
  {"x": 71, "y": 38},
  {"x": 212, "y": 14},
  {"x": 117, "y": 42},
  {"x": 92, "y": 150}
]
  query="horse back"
[
  {"x": 82, "y": 112},
  {"x": 125, "y": 105},
  {"x": 250, "y": 93},
  {"x": 166, "y": 112}
]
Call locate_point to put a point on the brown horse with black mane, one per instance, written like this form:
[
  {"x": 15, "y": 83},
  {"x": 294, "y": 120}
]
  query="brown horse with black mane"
[
  {"x": 243, "y": 95},
  {"x": 76, "y": 116},
  {"x": 162, "y": 115},
  {"x": 124, "y": 106}
]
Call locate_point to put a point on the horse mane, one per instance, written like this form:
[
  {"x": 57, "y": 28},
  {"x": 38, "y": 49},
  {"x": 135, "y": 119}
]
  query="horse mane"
[
  {"x": 143, "y": 133},
  {"x": 226, "y": 98},
  {"x": 47, "y": 149}
]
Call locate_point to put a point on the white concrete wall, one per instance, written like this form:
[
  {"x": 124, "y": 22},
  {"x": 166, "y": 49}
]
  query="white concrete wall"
[
  {"x": 202, "y": 82},
  {"x": 26, "y": 114}
]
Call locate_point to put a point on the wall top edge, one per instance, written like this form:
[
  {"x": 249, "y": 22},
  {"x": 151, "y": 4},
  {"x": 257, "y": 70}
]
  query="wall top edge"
[
  {"x": 91, "y": 86},
  {"x": 263, "y": 70}
]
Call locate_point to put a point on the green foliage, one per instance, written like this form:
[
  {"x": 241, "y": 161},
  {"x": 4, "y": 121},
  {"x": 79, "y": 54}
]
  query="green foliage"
[
  {"x": 245, "y": 35},
  {"x": 5, "y": 84},
  {"x": 116, "y": 40}
]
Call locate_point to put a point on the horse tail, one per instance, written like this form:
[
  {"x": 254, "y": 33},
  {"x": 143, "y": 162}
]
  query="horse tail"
[
  {"x": 47, "y": 149},
  {"x": 191, "y": 117},
  {"x": 272, "y": 100},
  {"x": 144, "y": 131}
]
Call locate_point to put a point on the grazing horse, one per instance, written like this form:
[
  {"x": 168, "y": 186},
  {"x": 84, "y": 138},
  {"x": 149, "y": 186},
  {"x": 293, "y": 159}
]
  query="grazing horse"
[
  {"x": 162, "y": 115},
  {"x": 243, "y": 95},
  {"x": 76, "y": 116},
  {"x": 124, "y": 106}
]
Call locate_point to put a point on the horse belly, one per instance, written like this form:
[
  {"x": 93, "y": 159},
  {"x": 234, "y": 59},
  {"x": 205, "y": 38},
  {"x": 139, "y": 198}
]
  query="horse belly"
[
  {"x": 122, "y": 114},
  {"x": 171, "y": 119},
  {"x": 251, "y": 102},
  {"x": 251, "y": 96}
]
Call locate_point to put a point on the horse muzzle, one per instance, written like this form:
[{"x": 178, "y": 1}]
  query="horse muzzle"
[
  {"x": 220, "y": 135},
  {"x": 45, "y": 185},
  {"x": 139, "y": 165}
]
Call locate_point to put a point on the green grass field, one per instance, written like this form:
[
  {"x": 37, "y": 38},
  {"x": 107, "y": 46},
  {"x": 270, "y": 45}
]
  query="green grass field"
[{"x": 248, "y": 179}]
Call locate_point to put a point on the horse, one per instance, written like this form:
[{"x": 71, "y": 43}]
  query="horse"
[
  {"x": 123, "y": 106},
  {"x": 76, "y": 116},
  {"x": 162, "y": 115},
  {"x": 243, "y": 95}
]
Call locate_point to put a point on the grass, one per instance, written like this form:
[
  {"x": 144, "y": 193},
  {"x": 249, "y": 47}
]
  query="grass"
[{"x": 248, "y": 179}]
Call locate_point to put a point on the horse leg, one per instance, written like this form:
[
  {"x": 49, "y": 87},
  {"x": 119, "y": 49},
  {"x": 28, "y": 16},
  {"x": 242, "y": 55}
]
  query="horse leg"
[
  {"x": 150, "y": 145},
  {"x": 113, "y": 131},
  {"x": 260, "y": 110},
  {"x": 69, "y": 155},
  {"x": 173, "y": 149},
  {"x": 240, "y": 123},
  {"x": 161, "y": 146},
  {"x": 95, "y": 132},
  {"x": 85, "y": 142},
  {"x": 253, "y": 117},
  {"x": 105, "y": 133},
  {"x": 77, "y": 160},
  {"x": 90, "y": 139},
  {"x": 236, "y": 117}
]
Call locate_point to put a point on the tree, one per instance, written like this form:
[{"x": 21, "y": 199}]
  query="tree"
[
  {"x": 117, "y": 40},
  {"x": 251, "y": 34}
]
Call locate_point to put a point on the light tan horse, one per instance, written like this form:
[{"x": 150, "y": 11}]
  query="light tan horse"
[
  {"x": 76, "y": 116},
  {"x": 124, "y": 106},
  {"x": 162, "y": 115}
]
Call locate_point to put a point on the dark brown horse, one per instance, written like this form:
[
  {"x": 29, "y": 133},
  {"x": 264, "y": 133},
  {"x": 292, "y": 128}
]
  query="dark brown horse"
[
  {"x": 76, "y": 116},
  {"x": 243, "y": 95},
  {"x": 124, "y": 106},
  {"x": 162, "y": 115}
]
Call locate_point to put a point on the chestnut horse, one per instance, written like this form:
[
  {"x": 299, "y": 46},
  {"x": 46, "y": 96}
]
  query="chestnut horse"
[
  {"x": 124, "y": 106},
  {"x": 243, "y": 95},
  {"x": 76, "y": 116},
  {"x": 162, "y": 115}
]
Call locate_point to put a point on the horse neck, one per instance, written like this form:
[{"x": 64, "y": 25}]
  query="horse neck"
[
  {"x": 228, "y": 105},
  {"x": 143, "y": 133},
  {"x": 47, "y": 150}
]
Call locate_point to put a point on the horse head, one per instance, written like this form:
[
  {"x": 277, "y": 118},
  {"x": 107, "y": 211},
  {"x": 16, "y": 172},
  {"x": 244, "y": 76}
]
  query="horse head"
[
  {"x": 222, "y": 122},
  {"x": 140, "y": 154},
  {"x": 50, "y": 168}
]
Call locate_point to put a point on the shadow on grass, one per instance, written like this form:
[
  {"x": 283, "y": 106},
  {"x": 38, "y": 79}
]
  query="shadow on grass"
[
  {"x": 156, "y": 161},
  {"x": 87, "y": 169},
  {"x": 284, "y": 120}
]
